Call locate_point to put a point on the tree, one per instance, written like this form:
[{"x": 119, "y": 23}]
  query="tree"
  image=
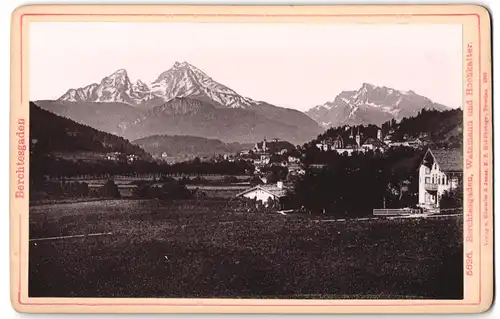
[
  {"x": 272, "y": 177},
  {"x": 174, "y": 190},
  {"x": 352, "y": 186},
  {"x": 229, "y": 180},
  {"x": 452, "y": 199},
  {"x": 255, "y": 180},
  {"x": 109, "y": 189},
  {"x": 142, "y": 190}
]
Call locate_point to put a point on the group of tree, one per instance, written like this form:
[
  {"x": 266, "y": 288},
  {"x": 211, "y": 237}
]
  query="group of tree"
[
  {"x": 274, "y": 173},
  {"x": 168, "y": 189},
  {"x": 197, "y": 167},
  {"x": 50, "y": 132},
  {"x": 108, "y": 190},
  {"x": 72, "y": 189},
  {"x": 452, "y": 199},
  {"x": 443, "y": 129},
  {"x": 184, "y": 146},
  {"x": 52, "y": 190},
  {"x": 46, "y": 165},
  {"x": 348, "y": 186},
  {"x": 437, "y": 128}
]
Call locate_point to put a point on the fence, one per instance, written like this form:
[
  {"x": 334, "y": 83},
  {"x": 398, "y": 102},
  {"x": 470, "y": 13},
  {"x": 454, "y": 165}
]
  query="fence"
[
  {"x": 451, "y": 211},
  {"x": 413, "y": 211},
  {"x": 396, "y": 211}
]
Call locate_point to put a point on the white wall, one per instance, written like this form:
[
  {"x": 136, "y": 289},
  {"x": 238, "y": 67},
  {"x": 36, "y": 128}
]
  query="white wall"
[
  {"x": 435, "y": 176},
  {"x": 421, "y": 185},
  {"x": 259, "y": 195}
]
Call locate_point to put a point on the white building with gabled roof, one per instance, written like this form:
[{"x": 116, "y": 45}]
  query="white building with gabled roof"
[
  {"x": 439, "y": 171},
  {"x": 265, "y": 193}
]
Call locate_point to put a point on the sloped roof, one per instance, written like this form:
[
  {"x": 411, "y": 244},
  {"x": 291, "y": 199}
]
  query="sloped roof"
[
  {"x": 374, "y": 141},
  {"x": 449, "y": 160},
  {"x": 271, "y": 189},
  {"x": 414, "y": 140}
]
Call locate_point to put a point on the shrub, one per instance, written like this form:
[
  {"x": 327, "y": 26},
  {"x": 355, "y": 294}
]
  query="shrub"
[
  {"x": 168, "y": 190},
  {"x": 255, "y": 180},
  {"x": 229, "y": 180},
  {"x": 142, "y": 191},
  {"x": 174, "y": 190},
  {"x": 451, "y": 199},
  {"x": 109, "y": 189}
]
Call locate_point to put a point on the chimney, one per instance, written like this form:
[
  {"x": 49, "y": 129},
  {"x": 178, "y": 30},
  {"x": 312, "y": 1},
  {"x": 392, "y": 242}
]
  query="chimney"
[
  {"x": 379, "y": 135},
  {"x": 279, "y": 184}
]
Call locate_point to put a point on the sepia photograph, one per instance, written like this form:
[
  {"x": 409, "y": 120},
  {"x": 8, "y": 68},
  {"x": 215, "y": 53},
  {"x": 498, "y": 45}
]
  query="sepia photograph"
[{"x": 245, "y": 160}]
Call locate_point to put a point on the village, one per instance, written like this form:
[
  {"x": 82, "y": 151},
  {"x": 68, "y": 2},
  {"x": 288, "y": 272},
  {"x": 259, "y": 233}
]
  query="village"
[
  {"x": 440, "y": 171},
  {"x": 277, "y": 163}
]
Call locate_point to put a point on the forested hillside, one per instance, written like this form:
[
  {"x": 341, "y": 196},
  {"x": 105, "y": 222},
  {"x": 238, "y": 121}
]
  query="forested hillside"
[
  {"x": 437, "y": 128},
  {"x": 187, "y": 146},
  {"x": 52, "y": 133}
]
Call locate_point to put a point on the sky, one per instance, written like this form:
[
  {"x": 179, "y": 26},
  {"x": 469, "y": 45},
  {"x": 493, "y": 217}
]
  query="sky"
[{"x": 290, "y": 65}]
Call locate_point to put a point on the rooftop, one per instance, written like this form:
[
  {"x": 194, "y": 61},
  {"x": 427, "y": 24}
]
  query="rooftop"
[
  {"x": 449, "y": 160},
  {"x": 272, "y": 189}
]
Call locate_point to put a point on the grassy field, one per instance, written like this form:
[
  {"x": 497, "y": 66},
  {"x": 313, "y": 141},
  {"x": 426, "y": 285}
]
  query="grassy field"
[{"x": 205, "y": 249}]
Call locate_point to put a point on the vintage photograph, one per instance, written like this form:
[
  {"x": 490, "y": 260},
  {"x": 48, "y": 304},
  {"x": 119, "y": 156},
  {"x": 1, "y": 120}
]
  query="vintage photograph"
[{"x": 246, "y": 160}]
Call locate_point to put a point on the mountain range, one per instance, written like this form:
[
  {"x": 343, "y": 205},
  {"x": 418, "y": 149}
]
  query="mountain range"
[
  {"x": 181, "y": 101},
  {"x": 181, "y": 81},
  {"x": 185, "y": 101},
  {"x": 371, "y": 104}
]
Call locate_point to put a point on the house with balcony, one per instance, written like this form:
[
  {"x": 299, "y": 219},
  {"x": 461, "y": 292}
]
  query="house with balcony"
[{"x": 439, "y": 171}]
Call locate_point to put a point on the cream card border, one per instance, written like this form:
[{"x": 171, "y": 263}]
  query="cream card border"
[{"x": 478, "y": 212}]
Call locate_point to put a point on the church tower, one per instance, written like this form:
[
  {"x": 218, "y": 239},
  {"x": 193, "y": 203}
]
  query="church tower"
[{"x": 358, "y": 139}]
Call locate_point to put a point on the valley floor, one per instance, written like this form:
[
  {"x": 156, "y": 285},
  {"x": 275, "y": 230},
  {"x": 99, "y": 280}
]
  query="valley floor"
[{"x": 204, "y": 248}]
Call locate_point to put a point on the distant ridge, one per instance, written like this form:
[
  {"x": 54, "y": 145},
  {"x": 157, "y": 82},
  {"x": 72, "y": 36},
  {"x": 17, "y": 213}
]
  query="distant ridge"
[
  {"x": 183, "y": 101},
  {"x": 54, "y": 133},
  {"x": 187, "y": 146},
  {"x": 371, "y": 104}
]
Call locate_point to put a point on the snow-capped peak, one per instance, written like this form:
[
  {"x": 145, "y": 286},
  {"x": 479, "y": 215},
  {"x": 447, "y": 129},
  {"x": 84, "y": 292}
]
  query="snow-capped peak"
[
  {"x": 371, "y": 104},
  {"x": 367, "y": 86},
  {"x": 182, "y": 80},
  {"x": 122, "y": 72},
  {"x": 113, "y": 88},
  {"x": 183, "y": 64},
  {"x": 118, "y": 79},
  {"x": 186, "y": 80}
]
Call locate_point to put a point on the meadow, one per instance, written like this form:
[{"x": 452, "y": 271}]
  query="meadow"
[{"x": 208, "y": 248}]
